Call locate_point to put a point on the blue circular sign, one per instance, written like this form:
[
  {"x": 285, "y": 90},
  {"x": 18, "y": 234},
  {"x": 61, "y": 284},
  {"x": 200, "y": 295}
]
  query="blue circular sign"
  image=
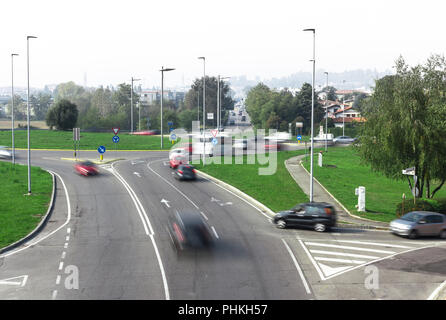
[
  {"x": 214, "y": 141},
  {"x": 299, "y": 137},
  {"x": 101, "y": 149},
  {"x": 173, "y": 136},
  {"x": 115, "y": 139}
]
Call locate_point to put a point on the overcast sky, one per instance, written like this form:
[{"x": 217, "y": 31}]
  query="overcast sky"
[{"x": 111, "y": 41}]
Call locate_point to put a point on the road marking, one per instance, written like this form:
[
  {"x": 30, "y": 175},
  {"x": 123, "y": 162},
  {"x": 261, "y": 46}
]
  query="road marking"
[
  {"x": 58, "y": 279},
  {"x": 434, "y": 294},
  {"x": 54, "y": 295},
  {"x": 296, "y": 264},
  {"x": 63, "y": 255},
  {"x": 339, "y": 260},
  {"x": 65, "y": 245},
  {"x": 61, "y": 265},
  {"x": 68, "y": 230},
  {"x": 67, "y": 238},
  {"x": 137, "y": 174},
  {"x": 204, "y": 215},
  {"x": 215, "y": 232},
  {"x": 166, "y": 202},
  {"x": 374, "y": 244},
  {"x": 20, "y": 283},
  {"x": 347, "y": 247},
  {"x": 343, "y": 254},
  {"x": 147, "y": 225}
]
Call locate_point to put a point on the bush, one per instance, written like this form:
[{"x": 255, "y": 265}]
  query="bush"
[
  {"x": 421, "y": 205},
  {"x": 441, "y": 205}
]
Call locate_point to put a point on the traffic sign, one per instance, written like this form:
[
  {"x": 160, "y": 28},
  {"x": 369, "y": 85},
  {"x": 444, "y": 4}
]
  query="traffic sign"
[
  {"x": 214, "y": 132},
  {"x": 171, "y": 129},
  {"x": 116, "y": 130},
  {"x": 214, "y": 141},
  {"x": 210, "y": 116},
  {"x": 170, "y": 123},
  {"x": 115, "y": 139},
  {"x": 299, "y": 137},
  {"x": 101, "y": 149},
  {"x": 173, "y": 137}
]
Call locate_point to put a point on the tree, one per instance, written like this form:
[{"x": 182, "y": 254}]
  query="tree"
[
  {"x": 63, "y": 115},
  {"x": 406, "y": 125},
  {"x": 331, "y": 92},
  {"x": 19, "y": 108},
  {"x": 304, "y": 105},
  {"x": 40, "y": 104}
]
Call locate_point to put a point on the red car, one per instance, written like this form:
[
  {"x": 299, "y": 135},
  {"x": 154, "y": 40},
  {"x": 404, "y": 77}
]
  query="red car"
[
  {"x": 86, "y": 168},
  {"x": 272, "y": 146},
  {"x": 146, "y": 133},
  {"x": 176, "y": 161}
]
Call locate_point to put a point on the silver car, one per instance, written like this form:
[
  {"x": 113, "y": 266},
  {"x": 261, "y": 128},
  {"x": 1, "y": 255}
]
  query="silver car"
[
  {"x": 5, "y": 153},
  {"x": 420, "y": 223},
  {"x": 344, "y": 139}
]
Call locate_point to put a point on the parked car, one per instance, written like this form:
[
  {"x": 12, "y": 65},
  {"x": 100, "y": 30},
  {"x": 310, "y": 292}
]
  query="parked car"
[
  {"x": 344, "y": 139},
  {"x": 86, "y": 168},
  {"x": 188, "y": 230},
  {"x": 420, "y": 223},
  {"x": 185, "y": 172},
  {"x": 319, "y": 216},
  {"x": 5, "y": 153}
]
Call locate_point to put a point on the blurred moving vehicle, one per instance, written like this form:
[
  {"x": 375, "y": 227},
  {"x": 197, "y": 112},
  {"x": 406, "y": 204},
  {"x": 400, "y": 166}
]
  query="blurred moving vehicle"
[
  {"x": 86, "y": 168},
  {"x": 420, "y": 223},
  {"x": 176, "y": 161},
  {"x": 188, "y": 230},
  {"x": 183, "y": 152},
  {"x": 146, "y": 133},
  {"x": 271, "y": 146},
  {"x": 185, "y": 172},
  {"x": 320, "y": 216},
  {"x": 5, "y": 153},
  {"x": 344, "y": 139},
  {"x": 240, "y": 144}
]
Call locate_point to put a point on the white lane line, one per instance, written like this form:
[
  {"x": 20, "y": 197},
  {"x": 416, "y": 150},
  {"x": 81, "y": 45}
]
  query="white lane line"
[
  {"x": 374, "y": 244},
  {"x": 61, "y": 265},
  {"x": 434, "y": 294},
  {"x": 204, "y": 216},
  {"x": 347, "y": 247},
  {"x": 67, "y": 238},
  {"x": 58, "y": 279},
  {"x": 339, "y": 260},
  {"x": 299, "y": 270},
  {"x": 27, "y": 245},
  {"x": 65, "y": 245},
  {"x": 145, "y": 220},
  {"x": 341, "y": 254},
  {"x": 68, "y": 230},
  {"x": 315, "y": 265},
  {"x": 54, "y": 294},
  {"x": 63, "y": 255},
  {"x": 215, "y": 232}
]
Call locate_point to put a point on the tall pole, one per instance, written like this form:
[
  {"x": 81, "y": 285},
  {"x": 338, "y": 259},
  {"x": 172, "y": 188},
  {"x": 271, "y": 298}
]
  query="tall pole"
[
  {"x": 326, "y": 115},
  {"x": 204, "y": 108},
  {"x": 219, "y": 98},
  {"x": 218, "y": 103},
  {"x": 27, "y": 104},
  {"x": 312, "y": 113},
  {"x": 162, "y": 98},
  {"x": 343, "y": 119},
  {"x": 12, "y": 105},
  {"x": 131, "y": 105}
]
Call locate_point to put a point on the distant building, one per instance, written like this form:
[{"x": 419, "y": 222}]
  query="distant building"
[{"x": 149, "y": 97}]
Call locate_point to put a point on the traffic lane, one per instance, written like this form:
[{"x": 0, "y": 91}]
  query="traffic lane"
[{"x": 247, "y": 241}]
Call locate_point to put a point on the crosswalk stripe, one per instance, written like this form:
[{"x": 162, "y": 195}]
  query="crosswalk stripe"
[
  {"x": 339, "y": 260},
  {"x": 347, "y": 247},
  {"x": 343, "y": 254},
  {"x": 374, "y": 244}
]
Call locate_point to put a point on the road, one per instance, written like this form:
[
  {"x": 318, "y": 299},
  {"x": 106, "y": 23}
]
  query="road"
[{"x": 110, "y": 230}]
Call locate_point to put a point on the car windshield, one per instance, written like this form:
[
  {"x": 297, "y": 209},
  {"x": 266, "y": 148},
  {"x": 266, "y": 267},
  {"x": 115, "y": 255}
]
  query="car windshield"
[
  {"x": 88, "y": 164},
  {"x": 411, "y": 216}
]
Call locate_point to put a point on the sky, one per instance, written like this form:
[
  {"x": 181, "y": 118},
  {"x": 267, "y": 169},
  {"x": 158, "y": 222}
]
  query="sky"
[{"x": 109, "y": 42}]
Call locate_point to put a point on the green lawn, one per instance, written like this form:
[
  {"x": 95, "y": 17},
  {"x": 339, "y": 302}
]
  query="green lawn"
[
  {"x": 52, "y": 139},
  {"x": 382, "y": 194},
  {"x": 19, "y": 213},
  {"x": 278, "y": 191}
]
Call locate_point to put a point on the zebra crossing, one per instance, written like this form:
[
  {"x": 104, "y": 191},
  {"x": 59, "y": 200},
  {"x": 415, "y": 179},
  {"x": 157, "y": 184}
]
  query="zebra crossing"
[{"x": 332, "y": 258}]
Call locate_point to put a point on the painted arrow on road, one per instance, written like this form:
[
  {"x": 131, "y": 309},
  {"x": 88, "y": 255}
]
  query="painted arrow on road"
[
  {"x": 11, "y": 282},
  {"x": 138, "y": 174},
  {"x": 165, "y": 202},
  {"x": 137, "y": 162}
]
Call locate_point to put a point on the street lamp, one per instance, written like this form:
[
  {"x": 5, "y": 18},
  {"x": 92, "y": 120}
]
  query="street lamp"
[
  {"x": 204, "y": 107},
  {"x": 162, "y": 97},
  {"x": 219, "y": 101},
  {"x": 27, "y": 103},
  {"x": 326, "y": 114},
  {"x": 12, "y": 104},
  {"x": 131, "y": 105},
  {"x": 312, "y": 113}
]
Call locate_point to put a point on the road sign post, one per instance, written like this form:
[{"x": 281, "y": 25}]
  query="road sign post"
[
  {"x": 76, "y": 139},
  {"x": 101, "y": 151}
]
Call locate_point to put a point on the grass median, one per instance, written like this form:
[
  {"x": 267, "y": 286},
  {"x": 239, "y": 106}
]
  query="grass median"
[
  {"x": 278, "y": 191},
  {"x": 342, "y": 172},
  {"x": 54, "y": 139},
  {"x": 20, "y": 213}
]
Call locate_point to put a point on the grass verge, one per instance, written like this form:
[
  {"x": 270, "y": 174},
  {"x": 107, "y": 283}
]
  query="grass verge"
[
  {"x": 20, "y": 213},
  {"x": 278, "y": 191},
  {"x": 342, "y": 173}
]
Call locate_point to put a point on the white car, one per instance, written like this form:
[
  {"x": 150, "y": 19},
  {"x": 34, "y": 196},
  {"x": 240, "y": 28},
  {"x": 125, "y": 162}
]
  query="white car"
[
  {"x": 5, "y": 153},
  {"x": 178, "y": 152}
]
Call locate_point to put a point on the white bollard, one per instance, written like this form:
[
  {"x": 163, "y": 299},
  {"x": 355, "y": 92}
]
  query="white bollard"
[{"x": 360, "y": 192}]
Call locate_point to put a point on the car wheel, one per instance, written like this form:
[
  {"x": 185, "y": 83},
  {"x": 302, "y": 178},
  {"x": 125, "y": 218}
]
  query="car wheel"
[
  {"x": 320, "y": 227},
  {"x": 443, "y": 234},
  {"x": 413, "y": 234},
  {"x": 281, "y": 224}
]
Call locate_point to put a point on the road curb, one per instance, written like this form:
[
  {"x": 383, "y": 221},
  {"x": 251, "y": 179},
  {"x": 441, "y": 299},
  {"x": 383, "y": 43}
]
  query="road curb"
[
  {"x": 240, "y": 193},
  {"x": 40, "y": 226}
]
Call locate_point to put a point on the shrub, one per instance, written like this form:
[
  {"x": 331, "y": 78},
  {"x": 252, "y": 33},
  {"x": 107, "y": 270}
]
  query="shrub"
[{"x": 420, "y": 205}]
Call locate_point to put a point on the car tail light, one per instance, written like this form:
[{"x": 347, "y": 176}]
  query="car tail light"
[
  {"x": 328, "y": 211},
  {"x": 178, "y": 232},
  {"x": 180, "y": 171},
  {"x": 194, "y": 171}
]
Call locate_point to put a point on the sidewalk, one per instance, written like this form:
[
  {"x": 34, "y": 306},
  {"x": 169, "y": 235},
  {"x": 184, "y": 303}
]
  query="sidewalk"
[{"x": 302, "y": 178}]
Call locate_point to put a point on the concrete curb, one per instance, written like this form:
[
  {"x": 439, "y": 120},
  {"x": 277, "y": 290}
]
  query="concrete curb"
[
  {"x": 39, "y": 227},
  {"x": 240, "y": 193}
]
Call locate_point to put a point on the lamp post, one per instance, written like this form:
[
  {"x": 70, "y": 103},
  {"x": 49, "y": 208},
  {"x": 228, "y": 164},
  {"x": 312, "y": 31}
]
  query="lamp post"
[
  {"x": 131, "y": 105},
  {"x": 12, "y": 105},
  {"x": 162, "y": 97},
  {"x": 27, "y": 103},
  {"x": 326, "y": 114},
  {"x": 204, "y": 108},
  {"x": 219, "y": 101},
  {"x": 312, "y": 113}
]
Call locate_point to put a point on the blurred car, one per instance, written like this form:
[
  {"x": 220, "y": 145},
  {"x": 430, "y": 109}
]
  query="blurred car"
[
  {"x": 146, "y": 133},
  {"x": 271, "y": 146},
  {"x": 185, "y": 172},
  {"x": 420, "y": 223},
  {"x": 319, "y": 216},
  {"x": 183, "y": 152},
  {"x": 188, "y": 230},
  {"x": 241, "y": 144},
  {"x": 176, "y": 161},
  {"x": 344, "y": 139},
  {"x": 5, "y": 153},
  {"x": 86, "y": 168}
]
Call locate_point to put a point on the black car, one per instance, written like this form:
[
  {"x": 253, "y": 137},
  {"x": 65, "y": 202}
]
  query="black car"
[
  {"x": 185, "y": 172},
  {"x": 319, "y": 216},
  {"x": 188, "y": 230}
]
